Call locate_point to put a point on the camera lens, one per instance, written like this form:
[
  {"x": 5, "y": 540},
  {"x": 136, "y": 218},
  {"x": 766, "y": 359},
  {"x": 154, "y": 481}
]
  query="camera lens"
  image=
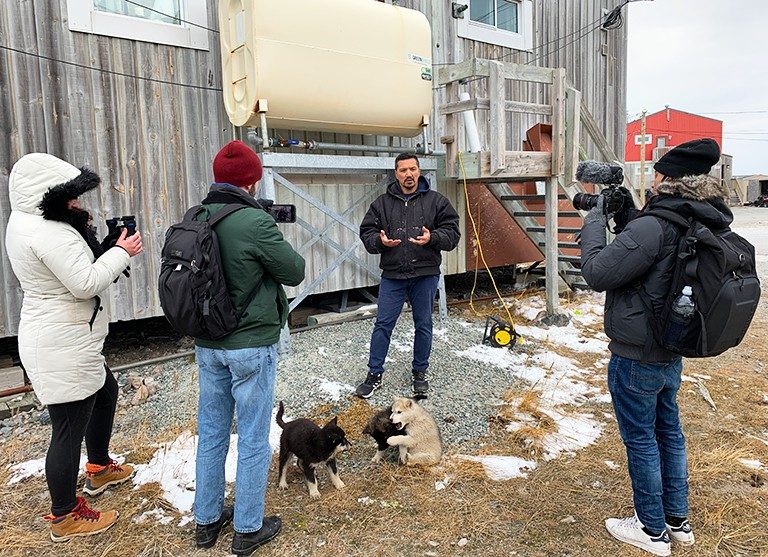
[{"x": 585, "y": 201}]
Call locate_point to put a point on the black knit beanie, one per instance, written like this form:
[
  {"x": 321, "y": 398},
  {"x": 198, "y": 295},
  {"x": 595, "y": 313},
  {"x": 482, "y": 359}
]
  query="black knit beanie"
[{"x": 689, "y": 159}]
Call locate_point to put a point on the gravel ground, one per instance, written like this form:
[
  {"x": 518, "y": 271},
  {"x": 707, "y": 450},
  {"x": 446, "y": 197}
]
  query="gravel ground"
[{"x": 324, "y": 366}]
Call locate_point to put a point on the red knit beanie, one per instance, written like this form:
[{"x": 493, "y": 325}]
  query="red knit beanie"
[{"x": 236, "y": 164}]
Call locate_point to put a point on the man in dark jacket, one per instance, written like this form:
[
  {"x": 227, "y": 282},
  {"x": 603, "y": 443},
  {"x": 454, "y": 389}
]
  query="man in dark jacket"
[
  {"x": 237, "y": 372},
  {"x": 643, "y": 377},
  {"x": 409, "y": 226}
]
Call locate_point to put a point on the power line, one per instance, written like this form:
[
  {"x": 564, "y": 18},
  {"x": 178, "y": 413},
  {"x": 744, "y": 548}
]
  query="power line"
[
  {"x": 738, "y": 112},
  {"x": 121, "y": 74},
  {"x": 556, "y": 39}
]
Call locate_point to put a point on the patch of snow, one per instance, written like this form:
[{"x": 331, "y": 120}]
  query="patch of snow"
[
  {"x": 35, "y": 467},
  {"x": 753, "y": 464},
  {"x": 501, "y": 468},
  {"x": 173, "y": 466},
  {"x": 334, "y": 389},
  {"x": 157, "y": 514},
  {"x": 569, "y": 336}
]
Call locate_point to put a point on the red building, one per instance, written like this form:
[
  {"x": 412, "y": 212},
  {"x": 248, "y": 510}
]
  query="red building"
[{"x": 669, "y": 128}]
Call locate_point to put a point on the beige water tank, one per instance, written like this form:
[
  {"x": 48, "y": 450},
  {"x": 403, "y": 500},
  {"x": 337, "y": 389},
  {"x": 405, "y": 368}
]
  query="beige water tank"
[{"x": 354, "y": 66}]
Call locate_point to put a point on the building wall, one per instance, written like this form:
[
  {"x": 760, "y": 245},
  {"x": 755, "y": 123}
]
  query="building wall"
[
  {"x": 672, "y": 127},
  {"x": 152, "y": 143}
]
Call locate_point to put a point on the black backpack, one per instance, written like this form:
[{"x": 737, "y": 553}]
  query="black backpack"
[
  {"x": 719, "y": 266},
  {"x": 193, "y": 292}
]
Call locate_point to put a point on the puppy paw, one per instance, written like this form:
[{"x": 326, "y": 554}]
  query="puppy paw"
[
  {"x": 376, "y": 458},
  {"x": 339, "y": 484},
  {"x": 314, "y": 494},
  {"x": 283, "y": 485},
  {"x": 392, "y": 441}
]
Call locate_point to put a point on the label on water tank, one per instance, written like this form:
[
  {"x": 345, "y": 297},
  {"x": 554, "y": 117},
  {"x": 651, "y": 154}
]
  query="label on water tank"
[{"x": 422, "y": 60}]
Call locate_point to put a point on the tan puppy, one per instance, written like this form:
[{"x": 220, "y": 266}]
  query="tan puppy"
[{"x": 421, "y": 443}]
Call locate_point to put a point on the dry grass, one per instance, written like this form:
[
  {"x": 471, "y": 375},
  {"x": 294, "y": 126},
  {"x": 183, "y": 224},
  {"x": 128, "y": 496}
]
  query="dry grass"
[{"x": 389, "y": 510}]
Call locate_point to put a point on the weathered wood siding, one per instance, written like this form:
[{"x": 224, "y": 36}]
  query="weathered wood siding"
[{"x": 153, "y": 143}]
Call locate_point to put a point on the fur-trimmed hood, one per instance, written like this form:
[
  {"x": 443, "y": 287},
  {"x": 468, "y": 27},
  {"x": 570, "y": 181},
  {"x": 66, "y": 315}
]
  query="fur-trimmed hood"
[
  {"x": 41, "y": 184},
  {"x": 703, "y": 187}
]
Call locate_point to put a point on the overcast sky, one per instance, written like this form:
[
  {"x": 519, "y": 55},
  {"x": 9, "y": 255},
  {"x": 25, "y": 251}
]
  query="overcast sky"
[{"x": 704, "y": 56}]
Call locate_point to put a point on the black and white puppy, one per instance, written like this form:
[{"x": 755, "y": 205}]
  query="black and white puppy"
[
  {"x": 381, "y": 428},
  {"x": 312, "y": 446}
]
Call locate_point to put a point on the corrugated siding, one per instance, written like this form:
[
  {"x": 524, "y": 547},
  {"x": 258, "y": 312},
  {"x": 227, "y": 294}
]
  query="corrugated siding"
[{"x": 152, "y": 143}]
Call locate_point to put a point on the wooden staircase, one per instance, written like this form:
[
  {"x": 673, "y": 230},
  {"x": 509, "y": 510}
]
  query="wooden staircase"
[{"x": 552, "y": 153}]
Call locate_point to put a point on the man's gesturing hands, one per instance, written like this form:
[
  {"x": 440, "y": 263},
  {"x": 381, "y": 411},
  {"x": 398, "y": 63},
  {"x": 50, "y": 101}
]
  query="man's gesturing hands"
[{"x": 421, "y": 240}]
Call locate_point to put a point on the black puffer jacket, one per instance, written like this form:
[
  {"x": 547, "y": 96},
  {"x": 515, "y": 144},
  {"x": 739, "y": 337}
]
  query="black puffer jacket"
[
  {"x": 644, "y": 255},
  {"x": 401, "y": 219}
]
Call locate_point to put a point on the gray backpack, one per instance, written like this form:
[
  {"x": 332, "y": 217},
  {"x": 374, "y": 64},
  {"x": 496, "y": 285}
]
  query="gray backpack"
[{"x": 192, "y": 289}]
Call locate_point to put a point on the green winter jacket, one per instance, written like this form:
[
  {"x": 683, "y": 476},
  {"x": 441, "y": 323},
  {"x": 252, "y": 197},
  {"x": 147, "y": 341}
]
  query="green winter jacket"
[{"x": 253, "y": 251}]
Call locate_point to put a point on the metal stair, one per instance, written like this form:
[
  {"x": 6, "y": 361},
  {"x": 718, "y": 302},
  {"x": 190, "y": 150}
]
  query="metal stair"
[
  {"x": 531, "y": 222},
  {"x": 527, "y": 210}
]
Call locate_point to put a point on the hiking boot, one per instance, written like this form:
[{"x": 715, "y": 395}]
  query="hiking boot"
[
  {"x": 420, "y": 385},
  {"x": 681, "y": 534},
  {"x": 80, "y": 521},
  {"x": 98, "y": 478},
  {"x": 371, "y": 383},
  {"x": 630, "y": 530},
  {"x": 207, "y": 534},
  {"x": 245, "y": 544}
]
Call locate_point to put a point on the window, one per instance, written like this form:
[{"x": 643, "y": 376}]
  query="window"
[
  {"x": 153, "y": 21},
  {"x": 661, "y": 141},
  {"x": 639, "y": 139},
  {"x": 502, "y": 22}
]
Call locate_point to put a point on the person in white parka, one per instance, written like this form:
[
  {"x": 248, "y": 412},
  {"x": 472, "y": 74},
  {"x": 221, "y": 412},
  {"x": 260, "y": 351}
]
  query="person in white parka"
[{"x": 62, "y": 270}]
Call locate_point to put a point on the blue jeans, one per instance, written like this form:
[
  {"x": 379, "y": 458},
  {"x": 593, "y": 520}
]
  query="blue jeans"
[
  {"x": 644, "y": 399},
  {"x": 241, "y": 380},
  {"x": 420, "y": 293}
]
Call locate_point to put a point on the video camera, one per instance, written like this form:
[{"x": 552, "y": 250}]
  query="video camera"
[
  {"x": 281, "y": 213},
  {"x": 617, "y": 204},
  {"x": 116, "y": 223}
]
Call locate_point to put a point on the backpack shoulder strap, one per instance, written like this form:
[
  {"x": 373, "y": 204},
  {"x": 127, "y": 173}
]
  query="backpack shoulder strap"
[
  {"x": 224, "y": 212},
  {"x": 669, "y": 216}
]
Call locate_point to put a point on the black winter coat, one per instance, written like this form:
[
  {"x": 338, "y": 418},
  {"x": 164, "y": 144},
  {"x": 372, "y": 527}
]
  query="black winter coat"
[
  {"x": 401, "y": 219},
  {"x": 643, "y": 256}
]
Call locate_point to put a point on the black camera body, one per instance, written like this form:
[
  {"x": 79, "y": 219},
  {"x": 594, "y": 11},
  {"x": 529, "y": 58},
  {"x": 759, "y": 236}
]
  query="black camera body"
[
  {"x": 617, "y": 200},
  {"x": 281, "y": 213},
  {"x": 126, "y": 221}
]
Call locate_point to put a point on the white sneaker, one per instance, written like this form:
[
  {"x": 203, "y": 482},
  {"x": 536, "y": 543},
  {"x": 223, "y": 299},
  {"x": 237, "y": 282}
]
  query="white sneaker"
[
  {"x": 682, "y": 534},
  {"x": 630, "y": 530}
]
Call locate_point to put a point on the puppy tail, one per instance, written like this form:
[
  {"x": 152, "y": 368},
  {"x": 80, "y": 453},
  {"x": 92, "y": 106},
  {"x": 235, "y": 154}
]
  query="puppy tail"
[{"x": 279, "y": 416}]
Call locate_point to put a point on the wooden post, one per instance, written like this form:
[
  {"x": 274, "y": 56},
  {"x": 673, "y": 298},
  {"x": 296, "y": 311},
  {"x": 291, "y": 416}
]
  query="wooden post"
[
  {"x": 641, "y": 193},
  {"x": 552, "y": 190},
  {"x": 451, "y": 132},
  {"x": 558, "y": 121},
  {"x": 572, "y": 133},
  {"x": 498, "y": 118}
]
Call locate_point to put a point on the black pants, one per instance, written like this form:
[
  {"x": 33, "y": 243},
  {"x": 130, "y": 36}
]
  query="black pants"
[{"x": 90, "y": 418}]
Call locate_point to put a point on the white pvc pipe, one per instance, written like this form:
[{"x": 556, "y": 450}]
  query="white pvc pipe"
[{"x": 470, "y": 127}]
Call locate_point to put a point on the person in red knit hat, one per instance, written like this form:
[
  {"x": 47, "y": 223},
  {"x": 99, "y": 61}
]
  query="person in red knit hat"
[
  {"x": 236, "y": 164},
  {"x": 237, "y": 372}
]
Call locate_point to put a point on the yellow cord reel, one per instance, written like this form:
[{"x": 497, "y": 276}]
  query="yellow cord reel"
[{"x": 499, "y": 334}]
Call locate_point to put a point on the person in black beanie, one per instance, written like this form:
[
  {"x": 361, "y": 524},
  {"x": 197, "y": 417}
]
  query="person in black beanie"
[{"x": 643, "y": 377}]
